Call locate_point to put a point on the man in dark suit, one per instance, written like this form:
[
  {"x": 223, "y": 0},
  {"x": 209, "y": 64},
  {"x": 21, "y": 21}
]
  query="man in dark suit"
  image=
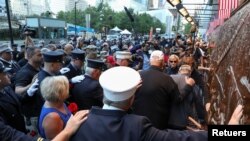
[
  {"x": 112, "y": 122},
  {"x": 157, "y": 94},
  {"x": 88, "y": 92}
]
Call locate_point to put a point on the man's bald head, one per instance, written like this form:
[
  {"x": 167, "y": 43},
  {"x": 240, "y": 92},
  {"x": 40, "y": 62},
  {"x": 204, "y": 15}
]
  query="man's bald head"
[{"x": 68, "y": 48}]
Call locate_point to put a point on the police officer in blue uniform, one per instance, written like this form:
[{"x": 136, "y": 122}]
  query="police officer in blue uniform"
[
  {"x": 88, "y": 92},
  {"x": 76, "y": 64},
  {"x": 52, "y": 65},
  {"x": 12, "y": 126},
  {"x": 10, "y": 105}
]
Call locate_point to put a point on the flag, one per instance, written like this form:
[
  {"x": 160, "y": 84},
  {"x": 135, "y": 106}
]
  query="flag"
[
  {"x": 226, "y": 7},
  {"x": 224, "y": 11}
]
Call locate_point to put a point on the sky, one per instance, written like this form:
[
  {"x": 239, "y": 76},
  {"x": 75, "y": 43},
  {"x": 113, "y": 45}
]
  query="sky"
[{"x": 2, "y": 2}]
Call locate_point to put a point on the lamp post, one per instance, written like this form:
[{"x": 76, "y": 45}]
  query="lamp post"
[
  {"x": 9, "y": 22},
  {"x": 75, "y": 15}
]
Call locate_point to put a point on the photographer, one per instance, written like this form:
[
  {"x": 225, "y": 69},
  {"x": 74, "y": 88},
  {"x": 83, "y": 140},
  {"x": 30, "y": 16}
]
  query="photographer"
[
  {"x": 28, "y": 41},
  {"x": 28, "y": 33}
]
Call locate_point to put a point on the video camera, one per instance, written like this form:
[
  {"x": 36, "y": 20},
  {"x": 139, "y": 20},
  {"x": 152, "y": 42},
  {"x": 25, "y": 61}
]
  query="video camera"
[
  {"x": 137, "y": 58},
  {"x": 28, "y": 31}
]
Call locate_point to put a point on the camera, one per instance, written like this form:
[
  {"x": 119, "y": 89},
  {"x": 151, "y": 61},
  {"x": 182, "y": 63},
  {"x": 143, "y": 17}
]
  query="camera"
[
  {"x": 178, "y": 36},
  {"x": 29, "y": 31},
  {"x": 137, "y": 58}
]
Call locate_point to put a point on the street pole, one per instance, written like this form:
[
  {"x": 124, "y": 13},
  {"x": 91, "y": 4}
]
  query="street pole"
[
  {"x": 75, "y": 17},
  {"x": 9, "y": 22}
]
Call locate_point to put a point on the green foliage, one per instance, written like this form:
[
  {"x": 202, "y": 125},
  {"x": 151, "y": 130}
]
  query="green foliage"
[
  {"x": 34, "y": 15},
  {"x": 47, "y": 14},
  {"x": 187, "y": 28},
  {"x": 106, "y": 17},
  {"x": 6, "y": 34}
]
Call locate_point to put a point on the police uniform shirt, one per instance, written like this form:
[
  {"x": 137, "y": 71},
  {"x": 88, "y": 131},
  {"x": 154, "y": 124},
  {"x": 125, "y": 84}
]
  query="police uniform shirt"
[
  {"x": 50, "y": 56},
  {"x": 72, "y": 71},
  {"x": 10, "y": 134},
  {"x": 87, "y": 93},
  {"x": 10, "y": 109},
  {"x": 119, "y": 126},
  {"x": 12, "y": 64}
]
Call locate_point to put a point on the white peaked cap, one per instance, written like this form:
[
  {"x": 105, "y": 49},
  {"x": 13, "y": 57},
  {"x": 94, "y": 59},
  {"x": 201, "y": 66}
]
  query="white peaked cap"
[
  {"x": 119, "y": 83},
  {"x": 123, "y": 55}
]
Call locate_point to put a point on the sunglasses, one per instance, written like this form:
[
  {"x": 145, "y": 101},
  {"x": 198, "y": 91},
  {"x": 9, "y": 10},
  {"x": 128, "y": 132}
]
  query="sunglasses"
[{"x": 173, "y": 61}]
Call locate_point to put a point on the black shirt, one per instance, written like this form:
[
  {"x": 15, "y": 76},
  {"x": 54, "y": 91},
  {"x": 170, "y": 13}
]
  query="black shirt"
[
  {"x": 22, "y": 62},
  {"x": 25, "y": 75},
  {"x": 23, "y": 78}
]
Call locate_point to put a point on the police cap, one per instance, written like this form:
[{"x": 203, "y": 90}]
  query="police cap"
[
  {"x": 78, "y": 54},
  {"x": 96, "y": 64},
  {"x": 53, "y": 56}
]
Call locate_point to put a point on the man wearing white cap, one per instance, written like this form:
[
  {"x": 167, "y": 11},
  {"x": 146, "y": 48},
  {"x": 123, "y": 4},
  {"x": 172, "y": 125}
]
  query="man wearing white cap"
[
  {"x": 123, "y": 58},
  {"x": 112, "y": 122},
  {"x": 6, "y": 57},
  {"x": 157, "y": 94}
]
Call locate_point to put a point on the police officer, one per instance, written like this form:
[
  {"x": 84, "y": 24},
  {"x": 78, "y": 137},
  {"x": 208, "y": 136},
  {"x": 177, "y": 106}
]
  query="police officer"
[
  {"x": 10, "y": 105},
  {"x": 88, "y": 92},
  {"x": 6, "y": 58},
  {"x": 76, "y": 64},
  {"x": 52, "y": 66}
]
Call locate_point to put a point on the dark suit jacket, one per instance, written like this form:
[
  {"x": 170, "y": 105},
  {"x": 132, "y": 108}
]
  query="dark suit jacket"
[
  {"x": 12, "y": 126},
  {"x": 10, "y": 109},
  {"x": 87, "y": 93},
  {"x": 37, "y": 101},
  {"x": 115, "y": 125},
  {"x": 155, "y": 97},
  {"x": 8, "y": 133}
]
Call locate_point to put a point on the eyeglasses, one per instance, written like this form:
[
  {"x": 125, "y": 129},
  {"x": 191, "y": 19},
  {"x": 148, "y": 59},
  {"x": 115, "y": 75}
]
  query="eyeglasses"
[{"x": 173, "y": 61}]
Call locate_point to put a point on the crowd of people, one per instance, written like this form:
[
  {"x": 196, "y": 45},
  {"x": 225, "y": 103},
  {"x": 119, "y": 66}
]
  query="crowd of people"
[{"x": 140, "y": 89}]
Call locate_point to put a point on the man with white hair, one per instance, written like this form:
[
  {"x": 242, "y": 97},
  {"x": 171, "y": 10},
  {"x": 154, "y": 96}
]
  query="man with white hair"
[
  {"x": 157, "y": 94},
  {"x": 112, "y": 122}
]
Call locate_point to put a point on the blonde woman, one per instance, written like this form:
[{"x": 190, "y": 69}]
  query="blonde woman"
[
  {"x": 54, "y": 114},
  {"x": 173, "y": 65}
]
